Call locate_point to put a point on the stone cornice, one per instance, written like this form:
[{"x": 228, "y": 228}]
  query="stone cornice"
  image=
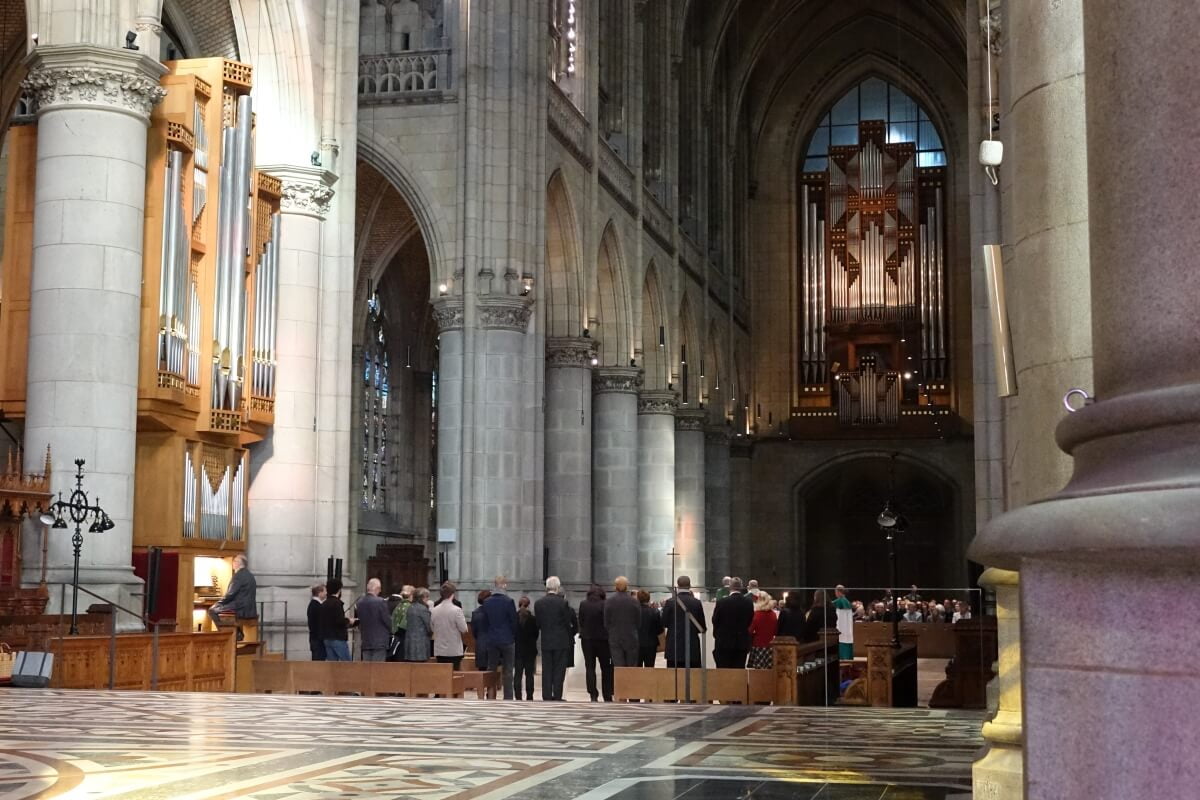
[
  {"x": 720, "y": 436},
  {"x": 570, "y": 351},
  {"x": 504, "y": 312},
  {"x": 306, "y": 190},
  {"x": 88, "y": 76},
  {"x": 690, "y": 419},
  {"x": 448, "y": 314},
  {"x": 657, "y": 401},
  {"x": 616, "y": 380}
]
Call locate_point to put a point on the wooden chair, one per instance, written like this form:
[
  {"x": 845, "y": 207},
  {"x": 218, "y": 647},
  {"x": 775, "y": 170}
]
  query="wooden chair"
[
  {"x": 311, "y": 677},
  {"x": 271, "y": 676},
  {"x": 350, "y": 677},
  {"x": 391, "y": 678}
]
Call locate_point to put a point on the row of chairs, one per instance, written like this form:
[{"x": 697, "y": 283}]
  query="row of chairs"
[{"x": 366, "y": 678}]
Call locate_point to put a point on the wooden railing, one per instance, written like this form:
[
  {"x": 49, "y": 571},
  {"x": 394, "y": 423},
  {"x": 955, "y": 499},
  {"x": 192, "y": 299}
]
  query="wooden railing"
[{"x": 177, "y": 662}]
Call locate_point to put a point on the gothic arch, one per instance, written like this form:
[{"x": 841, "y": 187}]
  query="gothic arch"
[
  {"x": 656, "y": 338},
  {"x": 564, "y": 296},
  {"x": 612, "y": 308}
]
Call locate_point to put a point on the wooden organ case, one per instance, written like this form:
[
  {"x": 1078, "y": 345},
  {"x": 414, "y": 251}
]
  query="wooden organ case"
[
  {"x": 208, "y": 330},
  {"x": 874, "y": 334}
]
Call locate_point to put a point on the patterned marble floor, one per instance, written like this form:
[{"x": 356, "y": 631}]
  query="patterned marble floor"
[{"x": 204, "y": 746}]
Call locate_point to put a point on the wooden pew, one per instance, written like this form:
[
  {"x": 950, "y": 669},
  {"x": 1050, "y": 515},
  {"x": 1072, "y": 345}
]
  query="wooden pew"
[
  {"x": 272, "y": 676},
  {"x": 892, "y": 675},
  {"x": 435, "y": 680},
  {"x": 968, "y": 673},
  {"x": 484, "y": 684},
  {"x": 392, "y": 678},
  {"x": 310, "y": 677},
  {"x": 351, "y": 677},
  {"x": 664, "y": 684}
]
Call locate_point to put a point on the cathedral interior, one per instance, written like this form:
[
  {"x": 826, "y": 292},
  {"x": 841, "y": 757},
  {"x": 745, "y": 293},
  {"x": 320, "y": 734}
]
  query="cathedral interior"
[{"x": 875, "y": 294}]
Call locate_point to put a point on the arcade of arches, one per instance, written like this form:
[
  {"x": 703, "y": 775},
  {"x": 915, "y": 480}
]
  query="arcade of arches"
[{"x": 432, "y": 290}]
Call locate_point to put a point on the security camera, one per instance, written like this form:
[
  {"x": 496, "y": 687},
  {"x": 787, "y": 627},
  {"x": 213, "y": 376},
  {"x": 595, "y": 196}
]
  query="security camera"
[{"x": 991, "y": 152}]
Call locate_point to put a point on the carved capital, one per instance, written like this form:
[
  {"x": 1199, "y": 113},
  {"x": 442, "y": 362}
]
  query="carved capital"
[
  {"x": 306, "y": 190},
  {"x": 997, "y": 28},
  {"x": 719, "y": 436},
  {"x": 690, "y": 419},
  {"x": 448, "y": 314},
  {"x": 617, "y": 380},
  {"x": 504, "y": 312},
  {"x": 83, "y": 76},
  {"x": 657, "y": 401},
  {"x": 570, "y": 351}
]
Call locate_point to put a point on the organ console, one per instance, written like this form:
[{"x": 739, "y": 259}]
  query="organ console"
[
  {"x": 872, "y": 286},
  {"x": 207, "y": 358}
]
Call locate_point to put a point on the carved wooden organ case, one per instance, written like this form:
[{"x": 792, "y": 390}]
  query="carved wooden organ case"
[
  {"x": 872, "y": 319},
  {"x": 209, "y": 308}
]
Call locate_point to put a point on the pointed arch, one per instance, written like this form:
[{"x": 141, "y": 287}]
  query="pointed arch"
[
  {"x": 614, "y": 312},
  {"x": 656, "y": 339},
  {"x": 564, "y": 282}
]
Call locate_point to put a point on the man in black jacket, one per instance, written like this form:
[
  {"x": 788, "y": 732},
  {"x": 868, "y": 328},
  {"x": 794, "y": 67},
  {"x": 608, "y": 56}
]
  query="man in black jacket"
[
  {"x": 240, "y": 596},
  {"x": 621, "y": 617},
  {"x": 553, "y": 616},
  {"x": 731, "y": 628},
  {"x": 315, "y": 645},
  {"x": 374, "y": 622},
  {"x": 683, "y": 636},
  {"x": 333, "y": 625},
  {"x": 593, "y": 637}
]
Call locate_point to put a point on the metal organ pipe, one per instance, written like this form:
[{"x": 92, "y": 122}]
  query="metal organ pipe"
[
  {"x": 221, "y": 306},
  {"x": 940, "y": 284},
  {"x": 240, "y": 238}
]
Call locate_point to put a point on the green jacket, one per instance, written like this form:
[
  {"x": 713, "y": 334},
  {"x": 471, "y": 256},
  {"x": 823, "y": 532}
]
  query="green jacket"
[{"x": 400, "y": 616}]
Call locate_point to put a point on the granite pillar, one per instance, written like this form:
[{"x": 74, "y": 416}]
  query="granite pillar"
[
  {"x": 615, "y": 472},
  {"x": 689, "y": 495},
  {"x": 1000, "y": 772},
  {"x": 656, "y": 489},
  {"x": 568, "y": 501},
  {"x": 1125, "y": 523},
  {"x": 286, "y": 546},
  {"x": 741, "y": 481},
  {"x": 718, "y": 500},
  {"x": 93, "y": 108},
  {"x": 448, "y": 314}
]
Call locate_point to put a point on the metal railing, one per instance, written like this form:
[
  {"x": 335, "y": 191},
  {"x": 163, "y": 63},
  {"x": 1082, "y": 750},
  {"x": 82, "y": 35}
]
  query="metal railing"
[{"x": 112, "y": 633}]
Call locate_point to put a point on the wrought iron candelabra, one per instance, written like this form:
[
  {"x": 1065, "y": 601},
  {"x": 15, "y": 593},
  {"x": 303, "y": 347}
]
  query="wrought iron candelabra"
[{"x": 79, "y": 510}]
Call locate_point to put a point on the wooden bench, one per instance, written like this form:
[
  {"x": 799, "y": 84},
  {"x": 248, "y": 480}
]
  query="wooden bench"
[
  {"x": 484, "y": 684},
  {"x": 665, "y": 684},
  {"x": 364, "y": 678},
  {"x": 272, "y": 676}
]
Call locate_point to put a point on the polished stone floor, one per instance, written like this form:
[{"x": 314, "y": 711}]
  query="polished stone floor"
[{"x": 279, "y": 747}]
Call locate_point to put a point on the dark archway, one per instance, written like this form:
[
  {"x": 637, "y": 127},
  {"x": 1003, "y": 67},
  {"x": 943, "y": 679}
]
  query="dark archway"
[{"x": 841, "y": 543}]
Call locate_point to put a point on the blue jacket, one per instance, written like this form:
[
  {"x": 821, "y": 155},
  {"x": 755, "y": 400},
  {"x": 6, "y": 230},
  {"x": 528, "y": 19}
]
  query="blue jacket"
[{"x": 501, "y": 614}]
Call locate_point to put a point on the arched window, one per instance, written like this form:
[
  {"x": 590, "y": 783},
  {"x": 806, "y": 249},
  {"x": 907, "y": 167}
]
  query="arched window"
[
  {"x": 875, "y": 99},
  {"x": 376, "y": 388}
]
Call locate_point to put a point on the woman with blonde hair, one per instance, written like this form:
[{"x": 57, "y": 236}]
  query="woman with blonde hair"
[{"x": 762, "y": 631}]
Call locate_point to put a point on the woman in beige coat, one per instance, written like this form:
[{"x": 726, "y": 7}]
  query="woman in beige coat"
[{"x": 449, "y": 625}]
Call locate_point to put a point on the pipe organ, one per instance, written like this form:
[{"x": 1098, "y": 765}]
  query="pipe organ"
[{"x": 872, "y": 292}]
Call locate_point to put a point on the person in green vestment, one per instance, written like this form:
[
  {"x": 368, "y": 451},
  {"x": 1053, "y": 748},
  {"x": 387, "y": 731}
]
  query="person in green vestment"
[
  {"x": 845, "y": 624},
  {"x": 724, "y": 590}
]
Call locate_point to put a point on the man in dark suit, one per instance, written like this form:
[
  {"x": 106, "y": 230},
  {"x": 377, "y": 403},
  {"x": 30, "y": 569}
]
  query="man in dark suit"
[
  {"x": 315, "y": 645},
  {"x": 731, "y": 628},
  {"x": 240, "y": 596},
  {"x": 553, "y": 616},
  {"x": 501, "y": 614},
  {"x": 374, "y": 623},
  {"x": 683, "y": 635}
]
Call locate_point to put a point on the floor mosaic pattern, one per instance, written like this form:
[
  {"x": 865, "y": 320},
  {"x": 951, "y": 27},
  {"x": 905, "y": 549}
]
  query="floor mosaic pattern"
[{"x": 203, "y": 746}]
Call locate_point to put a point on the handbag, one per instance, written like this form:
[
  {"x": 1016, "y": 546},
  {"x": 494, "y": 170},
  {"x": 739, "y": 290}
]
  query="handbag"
[
  {"x": 32, "y": 670},
  {"x": 7, "y": 659}
]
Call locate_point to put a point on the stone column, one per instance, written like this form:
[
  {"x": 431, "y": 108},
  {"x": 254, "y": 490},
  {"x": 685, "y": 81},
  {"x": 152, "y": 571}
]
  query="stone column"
[
  {"x": 493, "y": 539},
  {"x": 689, "y": 494},
  {"x": 85, "y": 292},
  {"x": 615, "y": 472},
  {"x": 718, "y": 501},
  {"x": 448, "y": 313},
  {"x": 286, "y": 546},
  {"x": 656, "y": 489},
  {"x": 569, "y": 459},
  {"x": 999, "y": 773},
  {"x": 741, "y": 479},
  {"x": 1125, "y": 525}
]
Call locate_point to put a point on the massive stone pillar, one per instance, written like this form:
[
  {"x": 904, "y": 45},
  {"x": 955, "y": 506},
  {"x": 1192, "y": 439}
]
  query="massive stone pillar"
[
  {"x": 615, "y": 472},
  {"x": 1045, "y": 212},
  {"x": 741, "y": 479},
  {"x": 287, "y": 547},
  {"x": 689, "y": 494},
  {"x": 1125, "y": 524},
  {"x": 569, "y": 459},
  {"x": 85, "y": 293},
  {"x": 656, "y": 489},
  {"x": 448, "y": 313},
  {"x": 718, "y": 501}
]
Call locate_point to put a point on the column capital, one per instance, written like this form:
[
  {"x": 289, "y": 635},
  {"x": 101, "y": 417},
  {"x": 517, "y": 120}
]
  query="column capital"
[
  {"x": 90, "y": 76},
  {"x": 306, "y": 190},
  {"x": 504, "y": 312},
  {"x": 448, "y": 314},
  {"x": 616, "y": 380},
  {"x": 657, "y": 401},
  {"x": 570, "y": 351},
  {"x": 690, "y": 419},
  {"x": 719, "y": 435}
]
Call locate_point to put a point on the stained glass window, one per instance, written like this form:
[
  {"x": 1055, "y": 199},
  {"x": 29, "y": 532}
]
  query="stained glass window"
[
  {"x": 906, "y": 121},
  {"x": 376, "y": 389}
]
